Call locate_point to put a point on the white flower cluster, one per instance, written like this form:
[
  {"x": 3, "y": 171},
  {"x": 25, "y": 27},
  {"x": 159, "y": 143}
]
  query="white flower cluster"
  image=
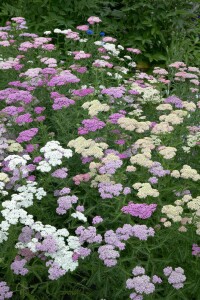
[
  {"x": 13, "y": 211},
  {"x": 88, "y": 147},
  {"x": 53, "y": 154},
  {"x": 63, "y": 255},
  {"x": 145, "y": 190},
  {"x": 111, "y": 48},
  {"x": 79, "y": 215},
  {"x": 15, "y": 161},
  {"x": 148, "y": 94}
]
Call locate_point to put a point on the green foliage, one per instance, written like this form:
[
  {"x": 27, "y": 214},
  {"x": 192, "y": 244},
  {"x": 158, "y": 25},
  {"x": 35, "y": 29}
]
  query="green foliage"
[{"x": 150, "y": 25}]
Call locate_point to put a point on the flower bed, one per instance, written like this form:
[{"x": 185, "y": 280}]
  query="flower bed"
[{"x": 99, "y": 181}]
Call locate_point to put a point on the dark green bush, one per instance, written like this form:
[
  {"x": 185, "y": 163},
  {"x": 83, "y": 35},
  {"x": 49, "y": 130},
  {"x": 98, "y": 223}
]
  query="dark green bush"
[{"x": 150, "y": 25}]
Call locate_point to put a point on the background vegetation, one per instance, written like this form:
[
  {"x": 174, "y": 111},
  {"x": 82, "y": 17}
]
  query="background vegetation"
[{"x": 162, "y": 29}]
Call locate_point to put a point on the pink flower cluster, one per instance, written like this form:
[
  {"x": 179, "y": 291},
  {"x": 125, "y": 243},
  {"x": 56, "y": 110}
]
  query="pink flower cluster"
[
  {"x": 92, "y": 20},
  {"x": 60, "y": 101},
  {"x": 27, "y": 135},
  {"x": 143, "y": 211},
  {"x": 141, "y": 283},
  {"x": 176, "y": 277},
  {"x": 83, "y": 92},
  {"x": 81, "y": 178},
  {"x": 91, "y": 125}
]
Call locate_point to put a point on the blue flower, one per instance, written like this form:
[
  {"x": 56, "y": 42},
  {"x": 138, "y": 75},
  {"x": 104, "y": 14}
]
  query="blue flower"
[
  {"x": 102, "y": 33},
  {"x": 89, "y": 31}
]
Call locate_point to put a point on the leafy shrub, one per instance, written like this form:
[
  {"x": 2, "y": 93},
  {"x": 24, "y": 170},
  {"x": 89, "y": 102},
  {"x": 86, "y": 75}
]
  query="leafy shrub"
[{"x": 149, "y": 24}]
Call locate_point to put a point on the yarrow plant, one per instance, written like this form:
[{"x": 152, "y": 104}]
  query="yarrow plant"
[{"x": 99, "y": 169}]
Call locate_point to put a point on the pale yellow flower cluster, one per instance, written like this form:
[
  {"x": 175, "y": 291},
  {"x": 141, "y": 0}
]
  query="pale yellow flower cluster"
[
  {"x": 146, "y": 143},
  {"x": 4, "y": 177},
  {"x": 88, "y": 147},
  {"x": 194, "y": 204},
  {"x": 174, "y": 118},
  {"x": 189, "y": 106},
  {"x": 192, "y": 140},
  {"x": 148, "y": 94},
  {"x": 130, "y": 169},
  {"x": 101, "y": 178},
  {"x": 167, "y": 152},
  {"x": 110, "y": 157},
  {"x": 162, "y": 128},
  {"x": 93, "y": 166},
  {"x": 145, "y": 190},
  {"x": 173, "y": 212},
  {"x": 164, "y": 106},
  {"x": 133, "y": 125},
  {"x": 14, "y": 146},
  {"x": 187, "y": 173},
  {"x": 142, "y": 159},
  {"x": 94, "y": 107}
]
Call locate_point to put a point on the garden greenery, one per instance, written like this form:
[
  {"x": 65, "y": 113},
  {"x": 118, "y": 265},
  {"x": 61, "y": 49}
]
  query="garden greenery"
[
  {"x": 99, "y": 169},
  {"x": 148, "y": 24}
]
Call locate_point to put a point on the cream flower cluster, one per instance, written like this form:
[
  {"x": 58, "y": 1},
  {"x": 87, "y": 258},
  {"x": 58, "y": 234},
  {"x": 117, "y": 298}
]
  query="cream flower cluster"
[
  {"x": 192, "y": 140},
  {"x": 173, "y": 212},
  {"x": 194, "y": 204},
  {"x": 189, "y": 106},
  {"x": 133, "y": 125},
  {"x": 103, "y": 167},
  {"x": 164, "y": 106},
  {"x": 14, "y": 146},
  {"x": 142, "y": 159},
  {"x": 94, "y": 107},
  {"x": 167, "y": 152},
  {"x": 148, "y": 94},
  {"x": 187, "y": 173},
  {"x": 162, "y": 128},
  {"x": 102, "y": 178},
  {"x": 145, "y": 190},
  {"x": 174, "y": 118},
  {"x": 88, "y": 147},
  {"x": 147, "y": 143},
  {"x": 3, "y": 180},
  {"x": 13, "y": 210},
  {"x": 53, "y": 154},
  {"x": 93, "y": 166},
  {"x": 130, "y": 169},
  {"x": 4, "y": 177}
]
